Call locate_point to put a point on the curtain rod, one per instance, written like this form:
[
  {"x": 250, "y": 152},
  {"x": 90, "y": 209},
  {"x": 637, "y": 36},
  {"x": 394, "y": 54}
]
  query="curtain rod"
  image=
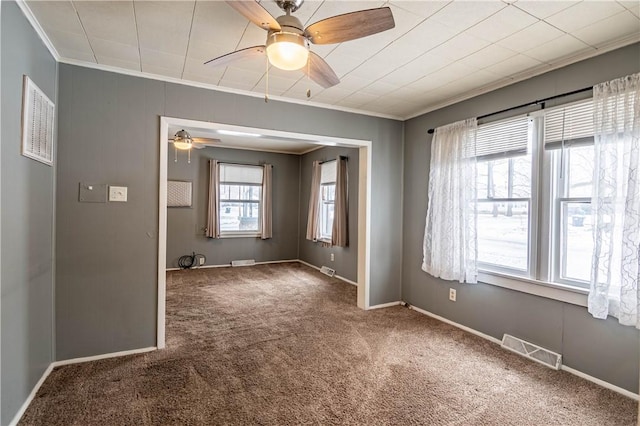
[
  {"x": 233, "y": 163},
  {"x": 333, "y": 159},
  {"x": 540, "y": 101}
]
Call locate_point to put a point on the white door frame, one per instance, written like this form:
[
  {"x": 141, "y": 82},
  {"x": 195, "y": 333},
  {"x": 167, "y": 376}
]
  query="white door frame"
[{"x": 364, "y": 203}]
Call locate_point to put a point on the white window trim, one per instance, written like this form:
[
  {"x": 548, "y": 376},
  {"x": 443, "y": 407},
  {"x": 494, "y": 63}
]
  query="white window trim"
[
  {"x": 555, "y": 291},
  {"x": 242, "y": 234}
]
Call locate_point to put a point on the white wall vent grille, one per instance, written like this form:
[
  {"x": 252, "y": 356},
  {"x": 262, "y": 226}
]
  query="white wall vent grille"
[
  {"x": 328, "y": 271},
  {"x": 179, "y": 193},
  {"x": 38, "y": 117},
  {"x": 531, "y": 351},
  {"x": 247, "y": 262}
]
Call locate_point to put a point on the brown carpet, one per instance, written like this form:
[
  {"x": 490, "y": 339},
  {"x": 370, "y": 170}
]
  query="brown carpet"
[{"x": 283, "y": 345}]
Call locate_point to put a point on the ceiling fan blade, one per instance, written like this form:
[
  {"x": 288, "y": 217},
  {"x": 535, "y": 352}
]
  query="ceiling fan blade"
[
  {"x": 320, "y": 72},
  {"x": 205, "y": 140},
  {"x": 227, "y": 59},
  {"x": 350, "y": 26},
  {"x": 257, "y": 14}
]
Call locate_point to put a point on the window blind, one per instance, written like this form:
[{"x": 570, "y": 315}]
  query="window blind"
[
  {"x": 505, "y": 138},
  {"x": 572, "y": 124},
  {"x": 328, "y": 172},
  {"x": 238, "y": 173}
]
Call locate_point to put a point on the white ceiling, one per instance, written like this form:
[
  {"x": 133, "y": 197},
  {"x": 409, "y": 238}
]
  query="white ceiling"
[{"x": 440, "y": 52}]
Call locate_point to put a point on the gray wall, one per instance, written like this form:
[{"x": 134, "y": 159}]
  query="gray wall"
[
  {"x": 346, "y": 258},
  {"x": 109, "y": 133},
  {"x": 602, "y": 349},
  {"x": 185, "y": 225},
  {"x": 27, "y": 221}
]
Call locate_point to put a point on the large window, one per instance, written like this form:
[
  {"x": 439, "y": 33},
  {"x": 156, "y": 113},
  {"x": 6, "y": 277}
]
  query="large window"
[
  {"x": 327, "y": 198},
  {"x": 504, "y": 196},
  {"x": 534, "y": 195},
  {"x": 239, "y": 200}
]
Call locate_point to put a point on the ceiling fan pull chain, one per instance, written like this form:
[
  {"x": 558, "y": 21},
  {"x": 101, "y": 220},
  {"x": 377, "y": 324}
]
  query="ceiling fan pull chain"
[
  {"x": 266, "y": 88},
  {"x": 309, "y": 76},
  {"x": 175, "y": 159},
  {"x": 189, "y": 156}
]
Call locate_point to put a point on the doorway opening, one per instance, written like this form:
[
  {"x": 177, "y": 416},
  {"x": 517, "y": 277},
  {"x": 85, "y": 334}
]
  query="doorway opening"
[{"x": 364, "y": 196}]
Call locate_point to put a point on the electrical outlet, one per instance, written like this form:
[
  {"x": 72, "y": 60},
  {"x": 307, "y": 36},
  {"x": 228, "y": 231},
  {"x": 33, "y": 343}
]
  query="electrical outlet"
[
  {"x": 201, "y": 260},
  {"x": 452, "y": 294},
  {"x": 332, "y": 257}
]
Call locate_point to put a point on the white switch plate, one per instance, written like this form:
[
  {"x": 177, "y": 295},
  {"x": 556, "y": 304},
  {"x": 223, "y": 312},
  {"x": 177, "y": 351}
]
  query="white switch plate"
[{"x": 118, "y": 193}]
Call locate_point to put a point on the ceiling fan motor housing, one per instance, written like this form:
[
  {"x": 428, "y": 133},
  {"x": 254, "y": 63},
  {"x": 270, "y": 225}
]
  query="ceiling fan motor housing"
[{"x": 289, "y": 5}]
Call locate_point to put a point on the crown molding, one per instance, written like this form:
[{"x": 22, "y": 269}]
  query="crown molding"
[{"x": 22, "y": 4}]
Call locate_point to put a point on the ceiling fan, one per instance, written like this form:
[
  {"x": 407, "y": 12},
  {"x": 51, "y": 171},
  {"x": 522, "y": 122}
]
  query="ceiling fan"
[
  {"x": 182, "y": 140},
  {"x": 287, "y": 45}
]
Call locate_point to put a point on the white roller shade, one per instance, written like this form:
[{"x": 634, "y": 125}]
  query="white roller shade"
[
  {"x": 328, "y": 174},
  {"x": 238, "y": 173},
  {"x": 503, "y": 138},
  {"x": 572, "y": 123}
]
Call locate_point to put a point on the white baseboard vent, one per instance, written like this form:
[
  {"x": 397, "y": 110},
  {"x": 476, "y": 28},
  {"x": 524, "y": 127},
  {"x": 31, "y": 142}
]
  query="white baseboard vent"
[
  {"x": 531, "y": 351},
  {"x": 246, "y": 262},
  {"x": 328, "y": 271}
]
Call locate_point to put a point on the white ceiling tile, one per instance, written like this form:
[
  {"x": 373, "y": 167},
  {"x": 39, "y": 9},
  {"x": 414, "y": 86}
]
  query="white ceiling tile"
[
  {"x": 504, "y": 23},
  {"x": 426, "y": 36},
  {"x": 380, "y": 88},
  {"x": 582, "y": 14},
  {"x": 56, "y": 15},
  {"x": 532, "y": 36},
  {"x": 418, "y": 68},
  {"x": 610, "y": 29},
  {"x": 422, "y": 8},
  {"x": 63, "y": 40},
  {"x": 195, "y": 67},
  {"x": 460, "y": 46},
  {"x": 204, "y": 51},
  {"x": 383, "y": 63},
  {"x": 342, "y": 64},
  {"x": 632, "y": 6},
  {"x": 241, "y": 75},
  {"x": 331, "y": 95},
  {"x": 353, "y": 83},
  {"x": 118, "y": 63},
  {"x": 164, "y": 26},
  {"x": 299, "y": 89},
  {"x": 543, "y": 9},
  {"x": 153, "y": 58},
  {"x": 217, "y": 23},
  {"x": 513, "y": 65},
  {"x": 355, "y": 100},
  {"x": 461, "y": 15},
  {"x": 115, "y": 50},
  {"x": 161, "y": 71},
  {"x": 558, "y": 49},
  {"x": 109, "y": 20},
  {"x": 443, "y": 76},
  {"x": 488, "y": 56},
  {"x": 241, "y": 85}
]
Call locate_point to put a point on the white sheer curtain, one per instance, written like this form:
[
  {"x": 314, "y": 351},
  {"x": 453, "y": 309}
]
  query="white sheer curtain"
[
  {"x": 450, "y": 244},
  {"x": 616, "y": 201},
  {"x": 267, "y": 203}
]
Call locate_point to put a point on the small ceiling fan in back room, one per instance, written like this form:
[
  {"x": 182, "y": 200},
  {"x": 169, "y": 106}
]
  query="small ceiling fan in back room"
[
  {"x": 182, "y": 140},
  {"x": 287, "y": 45}
]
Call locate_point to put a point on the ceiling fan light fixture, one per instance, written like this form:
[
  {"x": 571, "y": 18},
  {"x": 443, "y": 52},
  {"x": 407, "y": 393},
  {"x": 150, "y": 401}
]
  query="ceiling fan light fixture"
[
  {"x": 287, "y": 51},
  {"x": 182, "y": 140}
]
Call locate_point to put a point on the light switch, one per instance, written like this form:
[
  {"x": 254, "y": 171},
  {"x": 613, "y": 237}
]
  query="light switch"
[{"x": 118, "y": 193}]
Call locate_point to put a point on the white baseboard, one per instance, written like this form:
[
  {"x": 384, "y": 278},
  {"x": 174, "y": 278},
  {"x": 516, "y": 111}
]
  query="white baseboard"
[
  {"x": 573, "y": 371},
  {"x": 32, "y": 395},
  {"x": 228, "y": 265},
  {"x": 385, "y": 305},
  {"x": 55, "y": 364},
  {"x": 102, "y": 356}
]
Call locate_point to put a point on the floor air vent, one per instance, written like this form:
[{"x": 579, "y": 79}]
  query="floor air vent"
[
  {"x": 531, "y": 351},
  {"x": 328, "y": 271},
  {"x": 246, "y": 262}
]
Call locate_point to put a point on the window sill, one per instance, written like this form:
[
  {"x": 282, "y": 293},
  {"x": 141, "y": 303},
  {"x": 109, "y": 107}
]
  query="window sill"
[
  {"x": 560, "y": 292},
  {"x": 239, "y": 235}
]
